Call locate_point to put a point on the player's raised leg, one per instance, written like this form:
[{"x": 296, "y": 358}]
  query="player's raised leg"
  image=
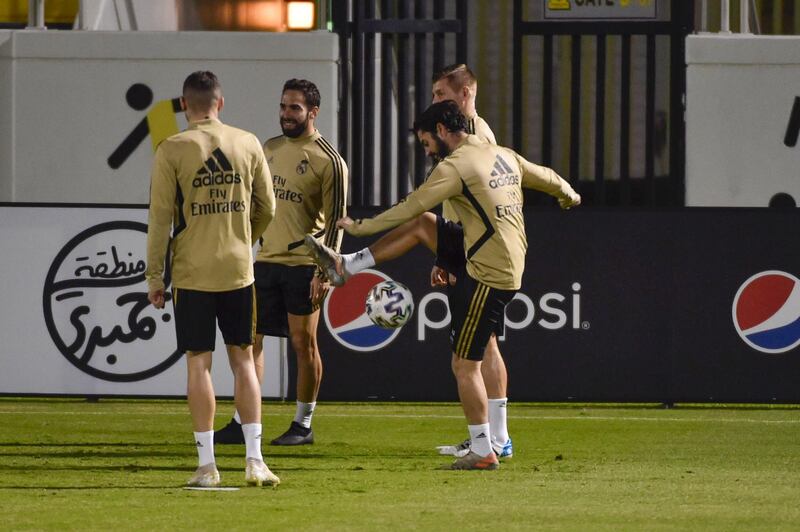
[{"x": 395, "y": 243}]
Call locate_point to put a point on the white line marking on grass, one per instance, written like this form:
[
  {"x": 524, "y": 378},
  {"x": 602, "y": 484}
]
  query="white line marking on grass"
[
  {"x": 578, "y": 418},
  {"x": 437, "y": 416},
  {"x": 200, "y": 488}
]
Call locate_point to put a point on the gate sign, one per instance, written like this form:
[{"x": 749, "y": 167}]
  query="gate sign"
[{"x": 600, "y": 9}]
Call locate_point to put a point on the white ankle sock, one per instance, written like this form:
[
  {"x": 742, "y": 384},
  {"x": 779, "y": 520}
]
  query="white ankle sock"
[
  {"x": 252, "y": 440},
  {"x": 304, "y": 412},
  {"x": 480, "y": 436},
  {"x": 498, "y": 419},
  {"x": 205, "y": 447},
  {"x": 355, "y": 262},
  {"x": 236, "y": 417}
]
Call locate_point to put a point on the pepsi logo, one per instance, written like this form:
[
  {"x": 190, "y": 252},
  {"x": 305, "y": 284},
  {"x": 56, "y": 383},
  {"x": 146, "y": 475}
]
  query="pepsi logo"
[
  {"x": 766, "y": 311},
  {"x": 346, "y": 316}
]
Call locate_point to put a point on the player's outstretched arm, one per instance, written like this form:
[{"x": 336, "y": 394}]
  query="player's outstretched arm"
[
  {"x": 443, "y": 183},
  {"x": 548, "y": 181}
]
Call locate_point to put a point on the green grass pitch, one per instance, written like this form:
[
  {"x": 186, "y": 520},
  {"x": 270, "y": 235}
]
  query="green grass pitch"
[{"x": 68, "y": 464}]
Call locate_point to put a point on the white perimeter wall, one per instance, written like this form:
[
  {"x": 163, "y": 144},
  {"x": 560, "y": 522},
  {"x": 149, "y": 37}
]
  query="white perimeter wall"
[
  {"x": 63, "y": 109},
  {"x": 74, "y": 318},
  {"x": 63, "y": 112},
  {"x": 740, "y": 92}
]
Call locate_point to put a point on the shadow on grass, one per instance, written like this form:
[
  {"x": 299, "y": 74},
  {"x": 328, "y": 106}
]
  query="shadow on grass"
[
  {"x": 87, "y": 444},
  {"x": 59, "y": 454},
  {"x": 86, "y": 488}
]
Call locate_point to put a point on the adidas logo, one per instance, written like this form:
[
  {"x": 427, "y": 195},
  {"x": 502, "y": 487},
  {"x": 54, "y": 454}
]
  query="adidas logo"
[
  {"x": 217, "y": 170},
  {"x": 502, "y": 174},
  {"x": 199, "y": 444},
  {"x": 481, "y": 435}
]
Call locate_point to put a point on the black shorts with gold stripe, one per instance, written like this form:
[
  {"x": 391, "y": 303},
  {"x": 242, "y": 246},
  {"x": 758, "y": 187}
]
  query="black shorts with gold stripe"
[
  {"x": 282, "y": 290},
  {"x": 197, "y": 314},
  {"x": 477, "y": 311}
]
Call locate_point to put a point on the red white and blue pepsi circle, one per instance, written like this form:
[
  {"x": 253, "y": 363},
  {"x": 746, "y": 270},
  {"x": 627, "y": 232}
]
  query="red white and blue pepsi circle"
[
  {"x": 766, "y": 311},
  {"x": 345, "y": 313}
]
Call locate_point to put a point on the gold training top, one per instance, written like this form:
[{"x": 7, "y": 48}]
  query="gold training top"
[
  {"x": 310, "y": 182},
  {"x": 212, "y": 186},
  {"x": 484, "y": 185},
  {"x": 478, "y": 127}
]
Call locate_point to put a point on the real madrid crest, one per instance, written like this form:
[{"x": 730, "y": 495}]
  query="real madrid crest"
[{"x": 302, "y": 167}]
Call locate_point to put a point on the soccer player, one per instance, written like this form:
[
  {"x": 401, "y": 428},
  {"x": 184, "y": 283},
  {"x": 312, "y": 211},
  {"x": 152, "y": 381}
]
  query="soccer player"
[
  {"x": 211, "y": 185},
  {"x": 459, "y": 84},
  {"x": 484, "y": 184},
  {"x": 310, "y": 180}
]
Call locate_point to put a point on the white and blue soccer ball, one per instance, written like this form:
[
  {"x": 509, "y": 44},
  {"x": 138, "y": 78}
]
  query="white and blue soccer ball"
[{"x": 390, "y": 304}]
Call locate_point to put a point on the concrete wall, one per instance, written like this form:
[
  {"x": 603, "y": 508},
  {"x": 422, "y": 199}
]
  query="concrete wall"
[
  {"x": 740, "y": 94},
  {"x": 64, "y": 110}
]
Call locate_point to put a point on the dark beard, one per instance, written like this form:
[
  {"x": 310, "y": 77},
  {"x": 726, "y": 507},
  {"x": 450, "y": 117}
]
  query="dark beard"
[
  {"x": 295, "y": 131},
  {"x": 441, "y": 149}
]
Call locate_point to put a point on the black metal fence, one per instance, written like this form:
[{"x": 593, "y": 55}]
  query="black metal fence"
[
  {"x": 649, "y": 188},
  {"x": 389, "y": 50},
  {"x": 411, "y": 38}
]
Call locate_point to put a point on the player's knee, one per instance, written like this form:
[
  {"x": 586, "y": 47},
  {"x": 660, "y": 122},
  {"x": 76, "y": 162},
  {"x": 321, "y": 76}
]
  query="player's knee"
[
  {"x": 304, "y": 345},
  {"x": 492, "y": 350},
  {"x": 427, "y": 219},
  {"x": 241, "y": 365},
  {"x": 464, "y": 368}
]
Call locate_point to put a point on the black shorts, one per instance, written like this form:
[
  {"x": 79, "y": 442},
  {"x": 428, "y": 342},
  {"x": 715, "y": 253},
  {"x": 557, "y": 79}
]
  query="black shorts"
[
  {"x": 450, "y": 253},
  {"x": 450, "y": 256},
  {"x": 282, "y": 290},
  {"x": 197, "y": 314},
  {"x": 476, "y": 311}
]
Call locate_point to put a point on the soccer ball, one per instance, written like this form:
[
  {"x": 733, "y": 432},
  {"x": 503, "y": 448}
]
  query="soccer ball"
[{"x": 390, "y": 304}]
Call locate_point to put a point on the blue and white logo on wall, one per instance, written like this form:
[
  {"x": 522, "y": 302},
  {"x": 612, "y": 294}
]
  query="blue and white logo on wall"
[
  {"x": 346, "y": 315},
  {"x": 766, "y": 311}
]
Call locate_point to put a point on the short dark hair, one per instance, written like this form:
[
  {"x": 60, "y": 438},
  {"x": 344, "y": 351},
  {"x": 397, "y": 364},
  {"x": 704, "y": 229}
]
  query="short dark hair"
[
  {"x": 458, "y": 75},
  {"x": 201, "y": 88},
  {"x": 309, "y": 90},
  {"x": 446, "y": 113},
  {"x": 202, "y": 81}
]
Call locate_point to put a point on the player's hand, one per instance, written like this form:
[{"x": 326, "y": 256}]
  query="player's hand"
[
  {"x": 573, "y": 200},
  {"x": 319, "y": 289},
  {"x": 345, "y": 223},
  {"x": 440, "y": 277},
  {"x": 156, "y": 297}
]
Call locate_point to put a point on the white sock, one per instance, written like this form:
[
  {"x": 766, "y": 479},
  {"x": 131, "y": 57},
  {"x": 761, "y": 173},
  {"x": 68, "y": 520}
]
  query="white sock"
[
  {"x": 236, "y": 417},
  {"x": 498, "y": 419},
  {"x": 304, "y": 412},
  {"x": 205, "y": 447},
  {"x": 480, "y": 436},
  {"x": 252, "y": 440},
  {"x": 355, "y": 262}
]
